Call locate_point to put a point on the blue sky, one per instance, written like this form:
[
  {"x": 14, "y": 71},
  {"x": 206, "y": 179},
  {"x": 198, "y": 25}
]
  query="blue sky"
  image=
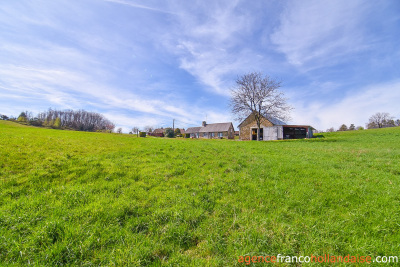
[{"x": 147, "y": 62}]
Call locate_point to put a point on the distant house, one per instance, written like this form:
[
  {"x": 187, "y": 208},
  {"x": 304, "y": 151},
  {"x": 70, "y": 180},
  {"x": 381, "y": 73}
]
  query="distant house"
[
  {"x": 213, "y": 130},
  {"x": 272, "y": 129},
  {"x": 158, "y": 132}
]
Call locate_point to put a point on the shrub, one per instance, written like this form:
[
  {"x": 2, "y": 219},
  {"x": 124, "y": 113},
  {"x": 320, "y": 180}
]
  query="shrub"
[
  {"x": 57, "y": 123},
  {"x": 142, "y": 134},
  {"x": 169, "y": 133}
]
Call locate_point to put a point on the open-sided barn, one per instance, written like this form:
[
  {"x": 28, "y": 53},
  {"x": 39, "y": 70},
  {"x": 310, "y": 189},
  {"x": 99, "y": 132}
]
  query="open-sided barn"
[{"x": 272, "y": 129}]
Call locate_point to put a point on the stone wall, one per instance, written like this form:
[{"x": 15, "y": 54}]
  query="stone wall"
[{"x": 245, "y": 129}]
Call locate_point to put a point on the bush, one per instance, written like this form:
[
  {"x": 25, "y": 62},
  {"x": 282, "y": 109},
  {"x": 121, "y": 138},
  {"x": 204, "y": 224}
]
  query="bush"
[
  {"x": 57, "y": 123},
  {"x": 169, "y": 133},
  {"x": 142, "y": 134}
]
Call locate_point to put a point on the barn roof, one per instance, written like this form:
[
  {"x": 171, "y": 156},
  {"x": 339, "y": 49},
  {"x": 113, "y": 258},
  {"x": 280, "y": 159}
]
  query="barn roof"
[
  {"x": 276, "y": 121},
  {"x": 273, "y": 120}
]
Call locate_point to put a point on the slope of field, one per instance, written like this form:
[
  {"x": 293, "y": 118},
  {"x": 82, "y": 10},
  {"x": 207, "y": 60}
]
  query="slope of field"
[{"x": 71, "y": 198}]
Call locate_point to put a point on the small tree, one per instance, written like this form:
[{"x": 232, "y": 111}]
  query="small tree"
[
  {"x": 22, "y": 117},
  {"x": 360, "y": 128},
  {"x": 330, "y": 130},
  {"x": 57, "y": 123},
  {"x": 148, "y": 129},
  {"x": 3, "y": 117},
  {"x": 169, "y": 133},
  {"x": 343, "y": 128},
  {"x": 135, "y": 130},
  {"x": 371, "y": 125},
  {"x": 258, "y": 95},
  {"x": 119, "y": 130},
  {"x": 352, "y": 127},
  {"x": 390, "y": 123},
  {"x": 177, "y": 131}
]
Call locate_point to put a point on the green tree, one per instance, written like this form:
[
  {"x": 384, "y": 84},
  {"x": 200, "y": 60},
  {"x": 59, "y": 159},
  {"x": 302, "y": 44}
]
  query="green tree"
[
  {"x": 169, "y": 133},
  {"x": 352, "y": 127},
  {"x": 22, "y": 117},
  {"x": 177, "y": 131},
  {"x": 343, "y": 127},
  {"x": 57, "y": 123}
]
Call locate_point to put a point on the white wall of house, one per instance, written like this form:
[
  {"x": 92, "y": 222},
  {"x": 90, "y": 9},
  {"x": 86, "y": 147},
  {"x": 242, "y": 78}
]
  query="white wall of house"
[{"x": 273, "y": 133}]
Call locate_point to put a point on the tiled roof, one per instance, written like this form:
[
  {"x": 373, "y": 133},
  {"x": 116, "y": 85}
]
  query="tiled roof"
[
  {"x": 160, "y": 130},
  {"x": 192, "y": 130},
  {"x": 216, "y": 127},
  {"x": 210, "y": 128}
]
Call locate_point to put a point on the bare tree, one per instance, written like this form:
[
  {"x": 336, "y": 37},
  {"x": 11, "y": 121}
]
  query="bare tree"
[
  {"x": 379, "y": 120},
  {"x": 258, "y": 95},
  {"x": 79, "y": 120},
  {"x": 135, "y": 130},
  {"x": 352, "y": 127},
  {"x": 330, "y": 130},
  {"x": 119, "y": 130},
  {"x": 148, "y": 129}
]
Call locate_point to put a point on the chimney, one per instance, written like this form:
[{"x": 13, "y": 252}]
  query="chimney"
[{"x": 204, "y": 124}]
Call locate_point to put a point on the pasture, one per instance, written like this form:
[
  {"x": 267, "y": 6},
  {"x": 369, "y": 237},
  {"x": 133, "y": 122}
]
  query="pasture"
[{"x": 79, "y": 198}]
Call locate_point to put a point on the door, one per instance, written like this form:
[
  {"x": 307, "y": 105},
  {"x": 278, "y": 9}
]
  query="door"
[{"x": 254, "y": 134}]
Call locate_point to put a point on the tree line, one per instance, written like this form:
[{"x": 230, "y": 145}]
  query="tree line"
[
  {"x": 378, "y": 120},
  {"x": 79, "y": 120}
]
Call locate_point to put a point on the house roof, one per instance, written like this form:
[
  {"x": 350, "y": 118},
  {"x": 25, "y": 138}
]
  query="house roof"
[
  {"x": 192, "y": 130},
  {"x": 210, "y": 128},
  {"x": 216, "y": 127},
  {"x": 159, "y": 130}
]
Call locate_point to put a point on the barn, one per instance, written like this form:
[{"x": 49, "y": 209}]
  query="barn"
[{"x": 272, "y": 129}]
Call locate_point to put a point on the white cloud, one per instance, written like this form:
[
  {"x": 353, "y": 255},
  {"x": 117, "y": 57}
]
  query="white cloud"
[
  {"x": 206, "y": 40},
  {"x": 356, "y": 107},
  {"x": 320, "y": 32},
  {"x": 131, "y": 4}
]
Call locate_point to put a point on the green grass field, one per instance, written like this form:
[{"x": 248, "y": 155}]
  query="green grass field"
[{"x": 77, "y": 198}]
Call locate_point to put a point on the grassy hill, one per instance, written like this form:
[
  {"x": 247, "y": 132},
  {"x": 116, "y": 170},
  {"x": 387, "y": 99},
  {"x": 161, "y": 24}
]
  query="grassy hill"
[{"x": 103, "y": 199}]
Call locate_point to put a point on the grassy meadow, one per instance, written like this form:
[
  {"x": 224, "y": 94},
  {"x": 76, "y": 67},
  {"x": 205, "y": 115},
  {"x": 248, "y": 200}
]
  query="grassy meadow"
[{"x": 78, "y": 198}]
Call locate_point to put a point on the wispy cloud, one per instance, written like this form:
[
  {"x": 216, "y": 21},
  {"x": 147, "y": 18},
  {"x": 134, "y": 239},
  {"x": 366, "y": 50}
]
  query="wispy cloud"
[
  {"x": 320, "y": 32},
  {"x": 206, "y": 42},
  {"x": 134, "y": 5},
  {"x": 355, "y": 107}
]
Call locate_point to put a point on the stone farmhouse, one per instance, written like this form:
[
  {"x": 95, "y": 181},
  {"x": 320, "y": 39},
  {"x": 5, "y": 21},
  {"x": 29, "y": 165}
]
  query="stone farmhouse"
[
  {"x": 212, "y": 130},
  {"x": 272, "y": 129}
]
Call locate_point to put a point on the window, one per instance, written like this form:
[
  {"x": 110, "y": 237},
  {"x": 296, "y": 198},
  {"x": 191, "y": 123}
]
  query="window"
[
  {"x": 211, "y": 134},
  {"x": 220, "y": 134},
  {"x": 204, "y": 134}
]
